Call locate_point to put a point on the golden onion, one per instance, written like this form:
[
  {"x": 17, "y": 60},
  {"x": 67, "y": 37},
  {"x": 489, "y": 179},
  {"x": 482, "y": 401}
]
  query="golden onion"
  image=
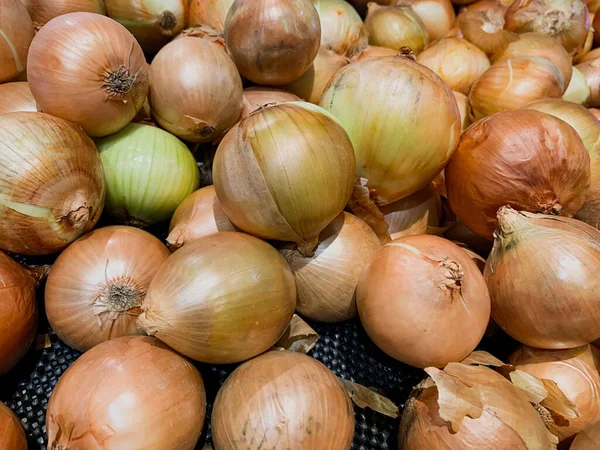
[
  {"x": 17, "y": 34},
  {"x": 342, "y": 29},
  {"x": 437, "y": 16},
  {"x": 16, "y": 97},
  {"x": 578, "y": 90},
  {"x": 42, "y": 11},
  {"x": 374, "y": 50},
  {"x": 395, "y": 27},
  {"x": 257, "y": 96},
  {"x": 11, "y": 430},
  {"x": 209, "y": 12}
]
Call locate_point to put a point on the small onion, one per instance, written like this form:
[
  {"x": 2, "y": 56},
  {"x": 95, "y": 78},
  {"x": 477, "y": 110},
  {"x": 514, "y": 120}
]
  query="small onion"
[
  {"x": 17, "y": 33},
  {"x": 374, "y": 50},
  {"x": 526, "y": 159},
  {"x": 395, "y": 27},
  {"x": 535, "y": 273},
  {"x": 97, "y": 285},
  {"x": 16, "y": 97},
  {"x": 437, "y": 16},
  {"x": 342, "y": 29},
  {"x": 463, "y": 107},
  {"x": 148, "y": 173},
  {"x": 456, "y": 61},
  {"x": 423, "y": 301},
  {"x": 209, "y": 12},
  {"x": 591, "y": 73},
  {"x": 578, "y": 90},
  {"x": 11, "y": 430},
  {"x": 286, "y": 400},
  {"x": 42, "y": 11},
  {"x": 257, "y": 96},
  {"x": 589, "y": 437},
  {"x": 127, "y": 393}
]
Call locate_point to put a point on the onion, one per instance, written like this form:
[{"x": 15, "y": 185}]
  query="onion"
[
  {"x": 566, "y": 20},
  {"x": 437, "y": 16},
  {"x": 456, "y": 61},
  {"x": 404, "y": 122},
  {"x": 11, "y": 430},
  {"x": 100, "y": 84},
  {"x": 17, "y": 33},
  {"x": 258, "y": 96},
  {"x": 590, "y": 211},
  {"x": 128, "y": 393},
  {"x": 463, "y": 107},
  {"x": 288, "y": 42},
  {"x": 42, "y": 11},
  {"x": 209, "y": 12},
  {"x": 589, "y": 437},
  {"x": 284, "y": 400},
  {"x": 148, "y": 173},
  {"x": 594, "y": 54},
  {"x": 423, "y": 301},
  {"x": 595, "y": 112},
  {"x": 578, "y": 90},
  {"x": 575, "y": 371},
  {"x": 222, "y": 298},
  {"x": 285, "y": 173},
  {"x": 199, "y": 215},
  {"x": 374, "y": 50},
  {"x": 342, "y": 29},
  {"x": 395, "y": 27},
  {"x": 591, "y": 72},
  {"x": 97, "y": 285},
  {"x": 16, "y": 97},
  {"x": 526, "y": 159}
]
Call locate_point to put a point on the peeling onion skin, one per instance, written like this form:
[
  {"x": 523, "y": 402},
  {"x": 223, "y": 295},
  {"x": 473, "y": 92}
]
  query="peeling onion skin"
[
  {"x": 395, "y": 27},
  {"x": 589, "y": 438},
  {"x": 282, "y": 399},
  {"x": 42, "y": 11},
  {"x": 104, "y": 401},
  {"x": 16, "y": 97},
  {"x": 418, "y": 282},
  {"x": 18, "y": 32},
  {"x": 11, "y": 430},
  {"x": 527, "y": 159},
  {"x": 209, "y": 12},
  {"x": 257, "y": 96},
  {"x": 535, "y": 272}
]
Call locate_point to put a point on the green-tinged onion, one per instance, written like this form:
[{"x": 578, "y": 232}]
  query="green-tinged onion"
[
  {"x": 395, "y": 27},
  {"x": 342, "y": 29}
]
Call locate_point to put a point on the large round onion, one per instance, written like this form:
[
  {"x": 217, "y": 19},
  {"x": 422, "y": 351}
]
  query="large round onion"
[
  {"x": 591, "y": 72},
  {"x": 16, "y": 97},
  {"x": 52, "y": 183},
  {"x": 402, "y": 119},
  {"x": 437, "y": 16},
  {"x": 526, "y": 159},
  {"x": 257, "y": 96},
  {"x": 97, "y": 285},
  {"x": 285, "y": 173},
  {"x": 312, "y": 409},
  {"x": 11, "y": 430},
  {"x": 578, "y": 90},
  {"x": 128, "y": 393},
  {"x": 42, "y": 11},
  {"x": 396, "y": 27},
  {"x": 423, "y": 301},
  {"x": 589, "y": 437},
  {"x": 285, "y": 47},
  {"x": 17, "y": 33},
  {"x": 342, "y": 29},
  {"x": 222, "y": 298},
  {"x": 535, "y": 273}
]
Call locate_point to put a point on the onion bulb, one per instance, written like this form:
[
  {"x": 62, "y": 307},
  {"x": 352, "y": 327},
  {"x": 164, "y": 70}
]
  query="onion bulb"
[
  {"x": 209, "y": 12},
  {"x": 223, "y": 298},
  {"x": 342, "y": 29},
  {"x": 148, "y": 173},
  {"x": 132, "y": 392},
  {"x": 257, "y": 96},
  {"x": 42, "y": 11},
  {"x": 313, "y": 408},
  {"x": 589, "y": 437},
  {"x": 16, "y": 97},
  {"x": 395, "y": 27},
  {"x": 326, "y": 282},
  {"x": 196, "y": 91},
  {"x": 272, "y": 42},
  {"x": 578, "y": 90},
  {"x": 11, "y": 430},
  {"x": 423, "y": 301},
  {"x": 17, "y": 33},
  {"x": 404, "y": 123},
  {"x": 463, "y": 107},
  {"x": 97, "y": 285},
  {"x": 199, "y": 215},
  {"x": 591, "y": 73},
  {"x": 285, "y": 173},
  {"x": 99, "y": 84},
  {"x": 437, "y": 16},
  {"x": 456, "y": 61},
  {"x": 374, "y": 50},
  {"x": 526, "y": 159}
]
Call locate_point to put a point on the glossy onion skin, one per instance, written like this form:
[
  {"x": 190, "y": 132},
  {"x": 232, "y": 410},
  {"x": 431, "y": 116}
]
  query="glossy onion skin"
[
  {"x": 17, "y": 34},
  {"x": 282, "y": 399},
  {"x": 16, "y": 97},
  {"x": 11, "y": 430},
  {"x": 437, "y": 16},
  {"x": 396, "y": 27},
  {"x": 42, "y": 11},
  {"x": 104, "y": 399},
  {"x": 342, "y": 29}
]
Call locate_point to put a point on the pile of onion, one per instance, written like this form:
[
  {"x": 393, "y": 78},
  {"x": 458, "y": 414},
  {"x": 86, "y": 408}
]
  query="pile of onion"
[
  {"x": 257, "y": 96},
  {"x": 342, "y": 29},
  {"x": 17, "y": 33},
  {"x": 589, "y": 437},
  {"x": 313, "y": 409},
  {"x": 591, "y": 72},
  {"x": 16, "y": 97},
  {"x": 130, "y": 392},
  {"x": 209, "y": 12},
  {"x": 578, "y": 90},
  {"x": 395, "y": 27},
  {"x": 437, "y": 16},
  {"x": 11, "y": 430},
  {"x": 42, "y": 11}
]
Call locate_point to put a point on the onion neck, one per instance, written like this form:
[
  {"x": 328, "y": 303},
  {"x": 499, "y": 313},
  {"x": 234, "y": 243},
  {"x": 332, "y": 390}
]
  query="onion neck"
[
  {"x": 510, "y": 222},
  {"x": 167, "y": 21},
  {"x": 554, "y": 22}
]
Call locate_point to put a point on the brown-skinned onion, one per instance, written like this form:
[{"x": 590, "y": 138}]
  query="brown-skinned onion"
[{"x": 11, "y": 430}]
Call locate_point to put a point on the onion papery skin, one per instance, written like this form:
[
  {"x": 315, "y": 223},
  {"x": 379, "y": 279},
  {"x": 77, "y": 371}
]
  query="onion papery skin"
[
  {"x": 535, "y": 272},
  {"x": 100, "y": 88},
  {"x": 313, "y": 409},
  {"x": 199, "y": 215},
  {"x": 416, "y": 284},
  {"x": 342, "y": 29},
  {"x": 578, "y": 90},
  {"x": 463, "y": 107},
  {"x": 97, "y": 285},
  {"x": 566, "y": 20},
  {"x": 575, "y": 371},
  {"x": 297, "y": 162},
  {"x": 11, "y": 430},
  {"x": 221, "y": 299},
  {"x": 16, "y": 97},
  {"x": 286, "y": 46},
  {"x": 437, "y": 16},
  {"x": 17, "y": 34},
  {"x": 513, "y": 83},
  {"x": 51, "y": 182},
  {"x": 209, "y": 12},
  {"x": 326, "y": 283},
  {"x": 395, "y": 27},
  {"x": 591, "y": 72},
  {"x": 153, "y": 23},
  {"x": 104, "y": 397},
  {"x": 257, "y": 96},
  {"x": 18, "y": 313},
  {"x": 196, "y": 91},
  {"x": 527, "y": 159},
  {"x": 456, "y": 61},
  {"x": 413, "y": 140},
  {"x": 374, "y": 50},
  {"x": 589, "y": 437},
  {"x": 43, "y": 11}
]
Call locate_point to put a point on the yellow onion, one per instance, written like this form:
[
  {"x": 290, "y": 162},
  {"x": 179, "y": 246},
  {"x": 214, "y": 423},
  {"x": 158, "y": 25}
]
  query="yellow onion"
[
  {"x": 17, "y": 33},
  {"x": 282, "y": 399},
  {"x": 88, "y": 69},
  {"x": 566, "y": 20},
  {"x": 42, "y": 11},
  {"x": 423, "y": 301},
  {"x": 285, "y": 173},
  {"x": 127, "y": 393},
  {"x": 326, "y": 282},
  {"x": 257, "y": 96},
  {"x": 527, "y": 159},
  {"x": 575, "y": 371},
  {"x": 199, "y": 215},
  {"x": 16, "y": 97},
  {"x": 374, "y": 50},
  {"x": 342, "y": 29},
  {"x": 456, "y": 61},
  {"x": 52, "y": 183},
  {"x": 437, "y": 16},
  {"x": 463, "y": 107},
  {"x": 591, "y": 72},
  {"x": 223, "y": 298},
  {"x": 513, "y": 83},
  {"x": 11, "y": 430},
  {"x": 285, "y": 47},
  {"x": 578, "y": 90},
  {"x": 97, "y": 285},
  {"x": 589, "y": 437},
  {"x": 395, "y": 27}
]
